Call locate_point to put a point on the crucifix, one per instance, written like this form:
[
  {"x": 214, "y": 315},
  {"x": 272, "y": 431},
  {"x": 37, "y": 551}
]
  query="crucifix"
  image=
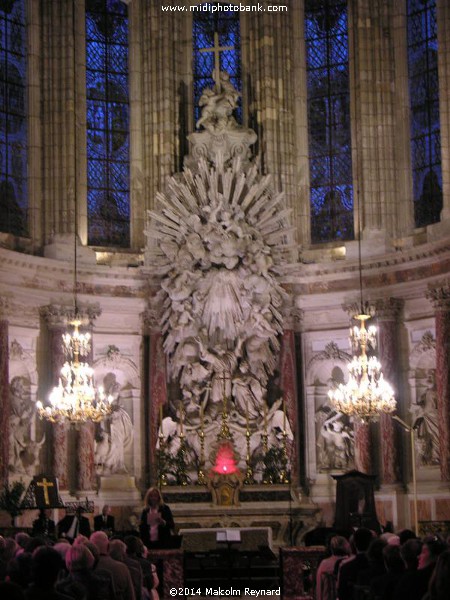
[
  {"x": 45, "y": 484},
  {"x": 217, "y": 49}
]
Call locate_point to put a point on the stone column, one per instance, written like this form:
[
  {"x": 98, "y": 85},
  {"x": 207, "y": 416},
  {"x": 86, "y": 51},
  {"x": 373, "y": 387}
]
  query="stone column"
[
  {"x": 270, "y": 41},
  {"x": 387, "y": 312},
  {"x": 443, "y": 19},
  {"x": 372, "y": 75},
  {"x": 86, "y": 478},
  {"x": 288, "y": 385},
  {"x": 157, "y": 386},
  {"x": 56, "y": 319},
  {"x": 162, "y": 56},
  {"x": 4, "y": 392},
  {"x": 440, "y": 298}
]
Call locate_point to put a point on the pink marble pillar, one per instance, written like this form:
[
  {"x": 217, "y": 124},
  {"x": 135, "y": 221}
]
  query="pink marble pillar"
[
  {"x": 56, "y": 318},
  {"x": 158, "y": 390},
  {"x": 4, "y": 401},
  {"x": 85, "y": 439},
  {"x": 440, "y": 298},
  {"x": 363, "y": 445},
  {"x": 387, "y": 312},
  {"x": 288, "y": 385}
]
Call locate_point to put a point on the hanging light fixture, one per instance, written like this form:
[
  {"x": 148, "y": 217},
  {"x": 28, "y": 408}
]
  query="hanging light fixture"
[
  {"x": 366, "y": 394},
  {"x": 75, "y": 399}
]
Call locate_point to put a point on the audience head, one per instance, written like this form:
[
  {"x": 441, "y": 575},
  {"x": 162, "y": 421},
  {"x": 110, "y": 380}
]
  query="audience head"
[
  {"x": 22, "y": 539},
  {"x": 45, "y": 566},
  {"x": 11, "y": 548},
  {"x": 100, "y": 539},
  {"x": 117, "y": 550},
  {"x": 432, "y": 547},
  {"x": 153, "y": 497},
  {"x": 440, "y": 580},
  {"x": 93, "y": 550},
  {"x": 362, "y": 538},
  {"x": 135, "y": 546},
  {"x": 405, "y": 535},
  {"x": 79, "y": 558},
  {"x": 392, "y": 559},
  {"x": 410, "y": 552},
  {"x": 62, "y": 548},
  {"x": 375, "y": 551},
  {"x": 80, "y": 539},
  {"x": 35, "y": 542},
  {"x": 18, "y": 569},
  {"x": 340, "y": 546}
]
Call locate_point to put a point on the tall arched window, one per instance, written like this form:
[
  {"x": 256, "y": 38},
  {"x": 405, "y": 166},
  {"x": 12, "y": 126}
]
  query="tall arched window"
[
  {"x": 424, "y": 111},
  {"x": 330, "y": 157},
  {"x": 215, "y": 34},
  {"x": 13, "y": 124},
  {"x": 108, "y": 196}
]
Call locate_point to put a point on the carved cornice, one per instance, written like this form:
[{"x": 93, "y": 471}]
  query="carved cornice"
[
  {"x": 355, "y": 308},
  {"x": 151, "y": 321},
  {"x": 331, "y": 352},
  {"x": 388, "y": 309},
  {"x": 439, "y": 295},
  {"x": 58, "y": 315},
  {"x": 5, "y": 307}
]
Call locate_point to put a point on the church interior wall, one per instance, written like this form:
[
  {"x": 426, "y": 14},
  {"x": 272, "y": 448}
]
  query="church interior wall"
[{"x": 399, "y": 261}]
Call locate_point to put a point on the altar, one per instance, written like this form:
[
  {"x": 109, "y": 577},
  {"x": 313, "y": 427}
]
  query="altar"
[
  {"x": 279, "y": 517},
  {"x": 245, "y": 538}
]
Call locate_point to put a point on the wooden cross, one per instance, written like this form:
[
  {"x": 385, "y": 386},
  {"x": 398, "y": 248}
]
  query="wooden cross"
[
  {"x": 45, "y": 484},
  {"x": 217, "y": 49}
]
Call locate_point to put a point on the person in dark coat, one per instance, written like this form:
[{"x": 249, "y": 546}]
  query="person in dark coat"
[
  {"x": 156, "y": 521},
  {"x": 72, "y": 525},
  {"x": 350, "y": 568},
  {"x": 105, "y": 521},
  {"x": 44, "y": 526}
]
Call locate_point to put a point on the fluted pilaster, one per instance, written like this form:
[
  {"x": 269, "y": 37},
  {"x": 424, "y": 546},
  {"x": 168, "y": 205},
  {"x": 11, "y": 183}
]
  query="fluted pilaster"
[{"x": 439, "y": 296}]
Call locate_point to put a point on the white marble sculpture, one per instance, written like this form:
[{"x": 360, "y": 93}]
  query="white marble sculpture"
[{"x": 218, "y": 242}]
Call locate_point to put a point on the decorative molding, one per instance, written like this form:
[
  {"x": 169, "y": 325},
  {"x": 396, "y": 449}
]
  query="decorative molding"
[
  {"x": 426, "y": 344},
  {"x": 439, "y": 295},
  {"x": 388, "y": 309},
  {"x": 332, "y": 352}
]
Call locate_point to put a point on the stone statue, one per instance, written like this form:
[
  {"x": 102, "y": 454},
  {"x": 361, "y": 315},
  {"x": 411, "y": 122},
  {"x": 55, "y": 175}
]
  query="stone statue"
[
  {"x": 248, "y": 394},
  {"x": 426, "y": 423},
  {"x": 218, "y": 104},
  {"x": 219, "y": 242},
  {"x": 114, "y": 434},
  {"x": 334, "y": 439},
  {"x": 24, "y": 451}
]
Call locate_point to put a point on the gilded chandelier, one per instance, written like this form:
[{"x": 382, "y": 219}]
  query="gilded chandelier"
[
  {"x": 75, "y": 398},
  {"x": 366, "y": 394}
]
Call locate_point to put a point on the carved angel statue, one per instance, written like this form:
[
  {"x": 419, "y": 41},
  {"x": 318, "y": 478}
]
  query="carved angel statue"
[
  {"x": 218, "y": 104},
  {"x": 426, "y": 423}
]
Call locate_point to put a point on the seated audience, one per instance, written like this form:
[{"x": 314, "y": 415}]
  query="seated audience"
[
  {"x": 439, "y": 587},
  {"x": 118, "y": 551},
  {"x": 82, "y": 582},
  {"x": 350, "y": 567},
  {"x": 44, "y": 526},
  {"x": 45, "y": 566},
  {"x": 137, "y": 550},
  {"x": 325, "y": 576},
  {"x": 105, "y": 521},
  {"x": 123, "y": 585},
  {"x": 73, "y": 524},
  {"x": 383, "y": 586}
]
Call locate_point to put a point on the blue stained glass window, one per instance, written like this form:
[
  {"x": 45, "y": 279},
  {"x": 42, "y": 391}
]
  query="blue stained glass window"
[
  {"x": 424, "y": 111},
  {"x": 13, "y": 124},
  {"x": 108, "y": 195},
  {"x": 226, "y": 24},
  {"x": 330, "y": 156}
]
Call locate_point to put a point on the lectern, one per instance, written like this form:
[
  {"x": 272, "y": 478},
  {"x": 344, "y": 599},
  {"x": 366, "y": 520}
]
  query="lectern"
[{"x": 355, "y": 502}]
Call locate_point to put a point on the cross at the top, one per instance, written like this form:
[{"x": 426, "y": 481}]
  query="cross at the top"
[{"x": 217, "y": 49}]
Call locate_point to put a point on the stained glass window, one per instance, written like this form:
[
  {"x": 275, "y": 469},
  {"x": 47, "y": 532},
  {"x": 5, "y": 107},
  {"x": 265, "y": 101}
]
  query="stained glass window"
[
  {"x": 330, "y": 157},
  {"x": 13, "y": 124},
  {"x": 108, "y": 195},
  {"x": 424, "y": 111},
  {"x": 205, "y": 24}
]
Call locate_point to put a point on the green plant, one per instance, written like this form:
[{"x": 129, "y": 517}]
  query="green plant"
[
  {"x": 275, "y": 465},
  {"x": 10, "y": 498}
]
